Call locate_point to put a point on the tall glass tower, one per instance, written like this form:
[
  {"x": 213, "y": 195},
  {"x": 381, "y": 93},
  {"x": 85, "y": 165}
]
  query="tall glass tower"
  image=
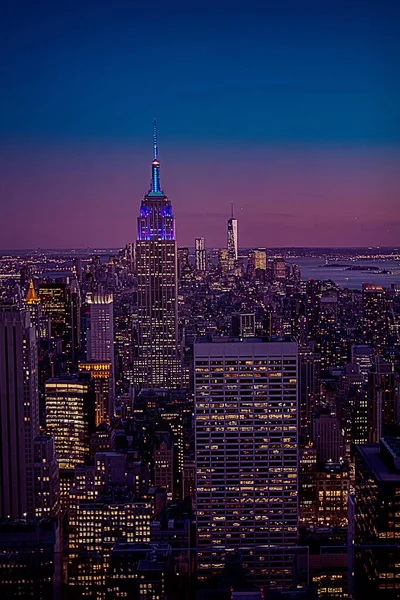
[
  {"x": 157, "y": 362},
  {"x": 232, "y": 241}
]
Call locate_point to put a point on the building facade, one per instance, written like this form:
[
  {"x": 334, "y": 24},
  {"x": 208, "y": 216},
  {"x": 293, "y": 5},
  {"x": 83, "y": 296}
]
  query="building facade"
[
  {"x": 232, "y": 241},
  {"x": 70, "y": 418},
  {"x": 19, "y": 412},
  {"x": 157, "y": 362},
  {"x": 201, "y": 257},
  {"x": 246, "y": 454}
]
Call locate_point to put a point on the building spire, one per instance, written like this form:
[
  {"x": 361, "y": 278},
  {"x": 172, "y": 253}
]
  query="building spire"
[
  {"x": 155, "y": 165},
  {"x": 232, "y": 209},
  {"x": 155, "y": 148},
  {"x": 31, "y": 296}
]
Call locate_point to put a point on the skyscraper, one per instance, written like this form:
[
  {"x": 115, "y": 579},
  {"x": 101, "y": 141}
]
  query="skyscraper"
[
  {"x": 201, "y": 258},
  {"x": 232, "y": 241},
  {"x": 70, "y": 418},
  {"x": 32, "y": 302},
  {"x": 374, "y": 312},
  {"x": 157, "y": 358},
  {"x": 101, "y": 344},
  {"x": 62, "y": 304},
  {"x": 377, "y": 520},
  {"x": 246, "y": 453},
  {"x": 19, "y": 412}
]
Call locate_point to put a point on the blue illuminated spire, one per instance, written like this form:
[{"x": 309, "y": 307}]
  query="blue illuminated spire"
[
  {"x": 155, "y": 165},
  {"x": 155, "y": 149}
]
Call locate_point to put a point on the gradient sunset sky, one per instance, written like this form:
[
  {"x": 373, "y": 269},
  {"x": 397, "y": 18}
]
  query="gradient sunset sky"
[{"x": 288, "y": 108}]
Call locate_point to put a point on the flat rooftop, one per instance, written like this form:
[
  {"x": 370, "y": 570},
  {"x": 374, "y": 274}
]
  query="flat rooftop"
[{"x": 371, "y": 453}]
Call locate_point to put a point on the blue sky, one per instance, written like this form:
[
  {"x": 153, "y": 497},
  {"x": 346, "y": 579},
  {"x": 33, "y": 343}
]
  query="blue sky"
[{"x": 232, "y": 85}]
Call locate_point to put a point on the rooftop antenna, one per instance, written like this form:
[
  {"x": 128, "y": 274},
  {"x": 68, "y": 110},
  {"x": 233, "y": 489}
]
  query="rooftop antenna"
[{"x": 155, "y": 147}]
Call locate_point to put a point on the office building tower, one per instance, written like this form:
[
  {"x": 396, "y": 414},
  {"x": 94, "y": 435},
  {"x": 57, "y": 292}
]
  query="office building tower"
[
  {"x": 223, "y": 260},
  {"x": 260, "y": 259},
  {"x": 279, "y": 269},
  {"x": 30, "y": 565},
  {"x": 32, "y": 302},
  {"x": 328, "y": 438},
  {"x": 232, "y": 241},
  {"x": 362, "y": 355},
  {"x": 189, "y": 480},
  {"x": 157, "y": 361},
  {"x": 73, "y": 341},
  {"x": 377, "y": 520},
  {"x": 309, "y": 387},
  {"x": 383, "y": 401},
  {"x": 307, "y": 486},
  {"x": 246, "y": 454},
  {"x": 47, "y": 478},
  {"x": 100, "y": 342},
  {"x": 163, "y": 460},
  {"x": 62, "y": 305},
  {"x": 101, "y": 336},
  {"x": 333, "y": 488},
  {"x": 53, "y": 298},
  {"x": 77, "y": 268},
  {"x": 313, "y": 295},
  {"x": 184, "y": 268},
  {"x": 374, "y": 316},
  {"x": 101, "y": 374},
  {"x": 19, "y": 412},
  {"x": 70, "y": 418},
  {"x": 201, "y": 257}
]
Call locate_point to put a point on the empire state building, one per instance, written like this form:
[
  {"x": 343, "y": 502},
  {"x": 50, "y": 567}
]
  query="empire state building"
[{"x": 157, "y": 362}]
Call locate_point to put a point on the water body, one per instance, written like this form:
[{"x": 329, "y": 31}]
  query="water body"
[{"x": 314, "y": 268}]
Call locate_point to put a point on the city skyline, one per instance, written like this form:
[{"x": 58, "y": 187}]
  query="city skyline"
[
  {"x": 200, "y": 343},
  {"x": 289, "y": 112}
]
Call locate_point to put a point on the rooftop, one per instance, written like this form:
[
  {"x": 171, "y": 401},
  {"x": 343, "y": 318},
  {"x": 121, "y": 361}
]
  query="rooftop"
[{"x": 382, "y": 470}]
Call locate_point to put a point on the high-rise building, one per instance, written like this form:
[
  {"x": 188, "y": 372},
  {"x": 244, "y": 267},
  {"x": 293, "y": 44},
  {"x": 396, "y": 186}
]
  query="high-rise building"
[
  {"x": 328, "y": 438},
  {"x": 32, "y": 302},
  {"x": 307, "y": 486},
  {"x": 333, "y": 488},
  {"x": 101, "y": 337},
  {"x": 309, "y": 382},
  {"x": 246, "y": 453},
  {"x": 223, "y": 260},
  {"x": 260, "y": 259},
  {"x": 100, "y": 342},
  {"x": 53, "y": 298},
  {"x": 383, "y": 400},
  {"x": 232, "y": 239},
  {"x": 70, "y": 418},
  {"x": 62, "y": 304},
  {"x": 377, "y": 520},
  {"x": 279, "y": 269},
  {"x": 157, "y": 362},
  {"x": 201, "y": 257},
  {"x": 375, "y": 316},
  {"x": 47, "y": 479},
  {"x": 163, "y": 458},
  {"x": 101, "y": 373},
  {"x": 184, "y": 268},
  {"x": 30, "y": 565},
  {"x": 362, "y": 356},
  {"x": 19, "y": 412}
]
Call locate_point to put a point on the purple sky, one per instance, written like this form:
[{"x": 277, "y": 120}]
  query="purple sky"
[
  {"x": 288, "y": 108},
  {"x": 283, "y": 195}
]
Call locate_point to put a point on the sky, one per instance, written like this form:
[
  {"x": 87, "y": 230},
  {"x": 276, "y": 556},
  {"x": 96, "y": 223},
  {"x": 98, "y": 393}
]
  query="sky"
[{"x": 289, "y": 109}]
